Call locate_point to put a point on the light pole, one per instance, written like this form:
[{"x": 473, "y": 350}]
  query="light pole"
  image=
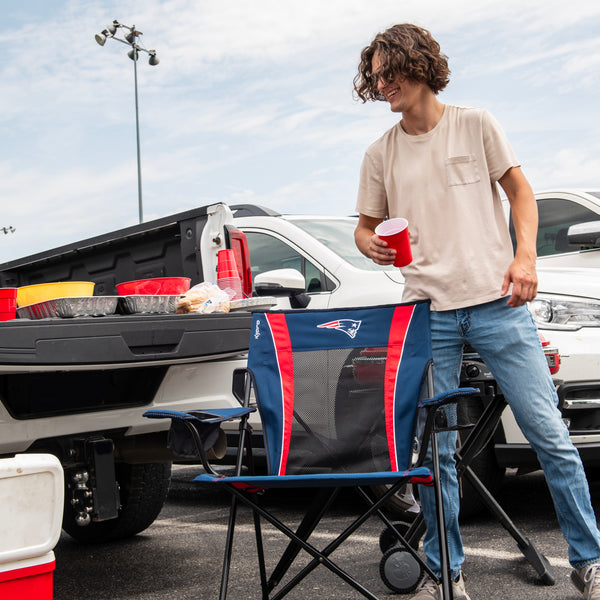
[{"x": 131, "y": 40}]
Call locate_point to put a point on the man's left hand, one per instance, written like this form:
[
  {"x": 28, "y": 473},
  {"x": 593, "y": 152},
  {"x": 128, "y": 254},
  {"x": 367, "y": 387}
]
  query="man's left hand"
[{"x": 523, "y": 277}]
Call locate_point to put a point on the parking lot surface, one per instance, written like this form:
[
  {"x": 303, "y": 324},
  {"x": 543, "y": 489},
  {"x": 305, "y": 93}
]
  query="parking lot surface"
[{"x": 179, "y": 557}]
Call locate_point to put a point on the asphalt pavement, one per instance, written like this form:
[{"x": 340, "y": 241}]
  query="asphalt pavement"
[{"x": 179, "y": 557}]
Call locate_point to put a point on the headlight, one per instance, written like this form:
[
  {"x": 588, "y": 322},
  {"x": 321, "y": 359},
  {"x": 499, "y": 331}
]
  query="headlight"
[{"x": 556, "y": 312}]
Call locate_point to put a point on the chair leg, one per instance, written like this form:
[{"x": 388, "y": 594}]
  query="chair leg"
[
  {"x": 476, "y": 440},
  {"x": 260, "y": 553},
  {"x": 446, "y": 579},
  {"x": 406, "y": 541},
  {"x": 320, "y": 504},
  {"x": 320, "y": 557},
  {"x": 228, "y": 548},
  {"x": 374, "y": 508}
]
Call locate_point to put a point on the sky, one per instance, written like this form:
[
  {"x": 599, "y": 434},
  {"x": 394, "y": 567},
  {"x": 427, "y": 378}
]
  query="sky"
[{"x": 252, "y": 102}]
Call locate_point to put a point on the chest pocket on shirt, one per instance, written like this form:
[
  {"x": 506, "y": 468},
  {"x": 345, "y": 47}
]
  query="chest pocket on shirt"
[{"x": 462, "y": 170}]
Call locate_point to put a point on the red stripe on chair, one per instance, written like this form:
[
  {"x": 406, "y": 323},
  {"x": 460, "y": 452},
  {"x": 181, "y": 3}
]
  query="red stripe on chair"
[
  {"x": 422, "y": 480},
  {"x": 398, "y": 329},
  {"x": 247, "y": 488},
  {"x": 285, "y": 364}
]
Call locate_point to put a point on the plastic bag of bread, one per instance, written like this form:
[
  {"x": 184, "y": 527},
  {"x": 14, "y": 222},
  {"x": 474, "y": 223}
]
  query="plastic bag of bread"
[{"x": 204, "y": 298}]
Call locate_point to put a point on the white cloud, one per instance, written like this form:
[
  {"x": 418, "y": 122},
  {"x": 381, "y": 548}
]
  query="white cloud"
[
  {"x": 569, "y": 167},
  {"x": 252, "y": 102}
]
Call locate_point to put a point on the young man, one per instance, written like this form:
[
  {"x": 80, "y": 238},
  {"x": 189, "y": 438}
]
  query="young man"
[{"x": 439, "y": 167}]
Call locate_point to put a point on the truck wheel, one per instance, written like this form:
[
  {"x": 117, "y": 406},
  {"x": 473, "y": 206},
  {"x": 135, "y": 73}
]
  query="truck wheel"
[{"x": 143, "y": 490}]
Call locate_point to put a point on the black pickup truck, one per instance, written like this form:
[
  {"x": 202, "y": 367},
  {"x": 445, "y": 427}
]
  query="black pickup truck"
[{"x": 77, "y": 387}]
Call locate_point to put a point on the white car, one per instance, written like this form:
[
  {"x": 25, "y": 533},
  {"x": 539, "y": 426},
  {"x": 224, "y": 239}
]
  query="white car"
[
  {"x": 322, "y": 249},
  {"x": 567, "y": 309},
  {"x": 567, "y": 312}
]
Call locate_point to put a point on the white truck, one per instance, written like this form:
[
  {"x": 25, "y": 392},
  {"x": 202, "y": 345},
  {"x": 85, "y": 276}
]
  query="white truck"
[{"x": 77, "y": 388}]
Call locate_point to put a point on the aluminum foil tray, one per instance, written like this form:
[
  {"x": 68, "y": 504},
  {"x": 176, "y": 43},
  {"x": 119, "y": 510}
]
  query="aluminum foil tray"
[
  {"x": 259, "y": 303},
  {"x": 84, "y": 306},
  {"x": 147, "y": 304}
]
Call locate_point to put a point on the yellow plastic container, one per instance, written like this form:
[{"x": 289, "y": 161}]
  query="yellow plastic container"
[{"x": 32, "y": 294}]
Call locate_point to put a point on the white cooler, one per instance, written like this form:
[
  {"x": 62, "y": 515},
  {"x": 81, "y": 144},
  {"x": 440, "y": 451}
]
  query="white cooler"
[{"x": 31, "y": 507}]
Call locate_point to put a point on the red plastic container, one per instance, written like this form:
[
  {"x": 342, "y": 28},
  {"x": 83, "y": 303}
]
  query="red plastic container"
[
  {"x": 31, "y": 510},
  {"x": 33, "y": 582},
  {"x": 552, "y": 355},
  {"x": 157, "y": 286},
  {"x": 8, "y": 304}
]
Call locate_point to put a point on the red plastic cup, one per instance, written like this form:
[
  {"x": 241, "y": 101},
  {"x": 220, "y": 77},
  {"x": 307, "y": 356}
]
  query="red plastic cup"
[
  {"x": 8, "y": 304},
  {"x": 395, "y": 233},
  {"x": 226, "y": 266},
  {"x": 228, "y": 277}
]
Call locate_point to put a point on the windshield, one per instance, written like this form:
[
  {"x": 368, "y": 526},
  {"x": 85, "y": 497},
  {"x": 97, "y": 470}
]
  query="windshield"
[{"x": 338, "y": 235}]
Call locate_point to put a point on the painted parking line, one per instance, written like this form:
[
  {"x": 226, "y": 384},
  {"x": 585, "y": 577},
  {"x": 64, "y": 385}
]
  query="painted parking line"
[
  {"x": 248, "y": 528},
  {"x": 502, "y": 555}
]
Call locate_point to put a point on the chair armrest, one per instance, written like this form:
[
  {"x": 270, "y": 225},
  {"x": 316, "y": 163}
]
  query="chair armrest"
[
  {"x": 434, "y": 415},
  {"x": 213, "y": 415},
  {"x": 448, "y": 397},
  {"x": 193, "y": 434}
]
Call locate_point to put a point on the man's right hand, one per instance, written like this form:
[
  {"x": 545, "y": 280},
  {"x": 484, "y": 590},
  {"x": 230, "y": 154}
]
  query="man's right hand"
[
  {"x": 379, "y": 252},
  {"x": 370, "y": 244}
]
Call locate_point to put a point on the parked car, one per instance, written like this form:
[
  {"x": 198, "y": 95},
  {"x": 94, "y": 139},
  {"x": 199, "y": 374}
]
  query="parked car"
[{"x": 567, "y": 309}]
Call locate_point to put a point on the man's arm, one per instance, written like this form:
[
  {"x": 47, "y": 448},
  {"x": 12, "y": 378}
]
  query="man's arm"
[
  {"x": 521, "y": 272},
  {"x": 370, "y": 244}
]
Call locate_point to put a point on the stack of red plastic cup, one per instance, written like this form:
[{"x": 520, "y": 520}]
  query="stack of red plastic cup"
[
  {"x": 228, "y": 277},
  {"x": 8, "y": 303}
]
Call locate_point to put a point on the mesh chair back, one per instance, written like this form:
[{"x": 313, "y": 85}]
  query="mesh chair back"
[{"x": 337, "y": 390}]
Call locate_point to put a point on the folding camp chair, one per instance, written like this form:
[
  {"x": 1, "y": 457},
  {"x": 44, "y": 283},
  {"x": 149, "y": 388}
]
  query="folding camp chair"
[{"x": 346, "y": 401}]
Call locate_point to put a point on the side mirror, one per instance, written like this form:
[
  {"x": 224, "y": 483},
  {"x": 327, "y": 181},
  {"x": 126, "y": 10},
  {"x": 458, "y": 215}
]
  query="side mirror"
[
  {"x": 585, "y": 234},
  {"x": 283, "y": 282}
]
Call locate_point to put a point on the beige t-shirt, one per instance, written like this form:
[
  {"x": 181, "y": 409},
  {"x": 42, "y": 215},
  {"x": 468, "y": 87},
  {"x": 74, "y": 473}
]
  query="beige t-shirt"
[{"x": 444, "y": 183}]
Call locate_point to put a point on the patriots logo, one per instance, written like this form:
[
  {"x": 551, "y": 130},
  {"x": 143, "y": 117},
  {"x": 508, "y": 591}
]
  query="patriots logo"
[{"x": 348, "y": 326}]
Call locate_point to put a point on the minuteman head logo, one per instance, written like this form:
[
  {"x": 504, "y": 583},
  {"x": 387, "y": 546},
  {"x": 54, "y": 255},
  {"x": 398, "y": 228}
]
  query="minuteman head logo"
[{"x": 348, "y": 326}]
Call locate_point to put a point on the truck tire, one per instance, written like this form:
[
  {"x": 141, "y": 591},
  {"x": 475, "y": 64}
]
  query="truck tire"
[{"x": 143, "y": 491}]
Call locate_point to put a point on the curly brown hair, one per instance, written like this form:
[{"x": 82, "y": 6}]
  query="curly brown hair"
[{"x": 406, "y": 50}]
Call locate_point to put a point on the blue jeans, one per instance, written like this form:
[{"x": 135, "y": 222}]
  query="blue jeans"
[{"x": 507, "y": 340}]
